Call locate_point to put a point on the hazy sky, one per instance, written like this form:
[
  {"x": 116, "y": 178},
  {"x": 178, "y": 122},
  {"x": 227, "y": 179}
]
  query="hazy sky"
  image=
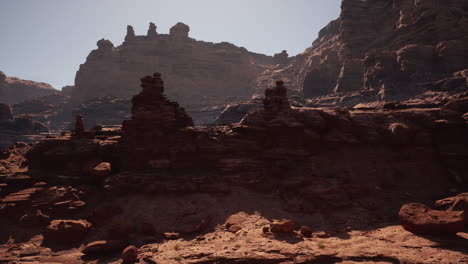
[{"x": 47, "y": 40}]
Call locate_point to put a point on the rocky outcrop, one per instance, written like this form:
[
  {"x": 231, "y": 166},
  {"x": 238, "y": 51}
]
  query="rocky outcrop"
[
  {"x": 194, "y": 71},
  {"x": 155, "y": 120},
  {"x": 18, "y": 128},
  {"x": 14, "y": 90}
]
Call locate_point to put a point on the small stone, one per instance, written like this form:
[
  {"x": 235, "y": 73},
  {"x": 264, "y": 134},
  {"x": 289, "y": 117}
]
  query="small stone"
[
  {"x": 101, "y": 170},
  {"x": 234, "y": 228},
  {"x": 306, "y": 231},
  {"x": 130, "y": 254},
  {"x": 266, "y": 229}
]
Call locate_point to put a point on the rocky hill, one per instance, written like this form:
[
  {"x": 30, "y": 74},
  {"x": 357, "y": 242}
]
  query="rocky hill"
[
  {"x": 198, "y": 74},
  {"x": 383, "y": 50},
  {"x": 14, "y": 90}
]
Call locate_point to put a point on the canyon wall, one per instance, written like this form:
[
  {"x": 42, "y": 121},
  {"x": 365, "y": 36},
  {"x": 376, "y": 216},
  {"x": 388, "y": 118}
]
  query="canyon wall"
[{"x": 391, "y": 49}]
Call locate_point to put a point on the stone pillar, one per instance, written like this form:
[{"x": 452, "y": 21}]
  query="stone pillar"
[
  {"x": 152, "y": 34},
  {"x": 79, "y": 126},
  {"x": 130, "y": 34}
]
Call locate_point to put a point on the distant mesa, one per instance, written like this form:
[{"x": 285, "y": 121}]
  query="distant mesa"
[
  {"x": 197, "y": 74},
  {"x": 14, "y": 90}
]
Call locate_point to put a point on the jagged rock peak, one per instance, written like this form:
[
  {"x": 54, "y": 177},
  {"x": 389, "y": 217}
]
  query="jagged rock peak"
[
  {"x": 152, "y": 30},
  {"x": 130, "y": 33},
  {"x": 105, "y": 44},
  {"x": 153, "y": 85},
  {"x": 180, "y": 30}
]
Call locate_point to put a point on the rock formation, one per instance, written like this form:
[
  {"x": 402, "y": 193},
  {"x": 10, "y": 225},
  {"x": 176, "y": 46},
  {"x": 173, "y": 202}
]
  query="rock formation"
[
  {"x": 197, "y": 74},
  {"x": 152, "y": 34},
  {"x": 331, "y": 172},
  {"x": 418, "y": 42},
  {"x": 18, "y": 128},
  {"x": 53, "y": 110},
  {"x": 14, "y": 90},
  {"x": 281, "y": 58},
  {"x": 154, "y": 121}
]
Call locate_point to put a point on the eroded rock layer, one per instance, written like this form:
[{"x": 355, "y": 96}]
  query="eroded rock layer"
[
  {"x": 391, "y": 49},
  {"x": 197, "y": 73}
]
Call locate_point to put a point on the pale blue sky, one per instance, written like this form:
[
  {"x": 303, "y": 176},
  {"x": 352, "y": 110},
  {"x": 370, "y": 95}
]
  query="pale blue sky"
[{"x": 47, "y": 40}]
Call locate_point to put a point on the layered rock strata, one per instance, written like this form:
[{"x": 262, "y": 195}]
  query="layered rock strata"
[
  {"x": 418, "y": 43},
  {"x": 198, "y": 74}
]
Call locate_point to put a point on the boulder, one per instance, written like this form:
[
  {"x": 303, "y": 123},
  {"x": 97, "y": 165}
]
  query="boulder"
[
  {"x": 103, "y": 246},
  {"x": 130, "y": 254},
  {"x": 420, "y": 219},
  {"x": 306, "y": 231},
  {"x": 66, "y": 231},
  {"x": 282, "y": 226}
]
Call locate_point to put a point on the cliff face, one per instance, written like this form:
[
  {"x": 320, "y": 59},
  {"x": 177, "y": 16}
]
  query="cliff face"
[
  {"x": 196, "y": 72},
  {"x": 14, "y": 90},
  {"x": 394, "y": 49}
]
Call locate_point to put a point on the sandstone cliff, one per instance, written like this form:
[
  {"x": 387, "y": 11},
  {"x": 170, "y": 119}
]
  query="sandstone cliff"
[
  {"x": 197, "y": 73},
  {"x": 390, "y": 49},
  {"x": 14, "y": 90}
]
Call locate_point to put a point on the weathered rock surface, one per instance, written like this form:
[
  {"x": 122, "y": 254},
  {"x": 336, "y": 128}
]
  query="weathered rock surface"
[
  {"x": 153, "y": 117},
  {"x": 194, "y": 70},
  {"x": 418, "y": 46},
  {"x": 14, "y": 90},
  {"x": 53, "y": 110}
]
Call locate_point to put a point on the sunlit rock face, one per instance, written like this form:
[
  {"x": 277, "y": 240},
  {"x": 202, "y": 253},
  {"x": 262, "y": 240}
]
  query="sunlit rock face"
[
  {"x": 196, "y": 73},
  {"x": 393, "y": 48}
]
